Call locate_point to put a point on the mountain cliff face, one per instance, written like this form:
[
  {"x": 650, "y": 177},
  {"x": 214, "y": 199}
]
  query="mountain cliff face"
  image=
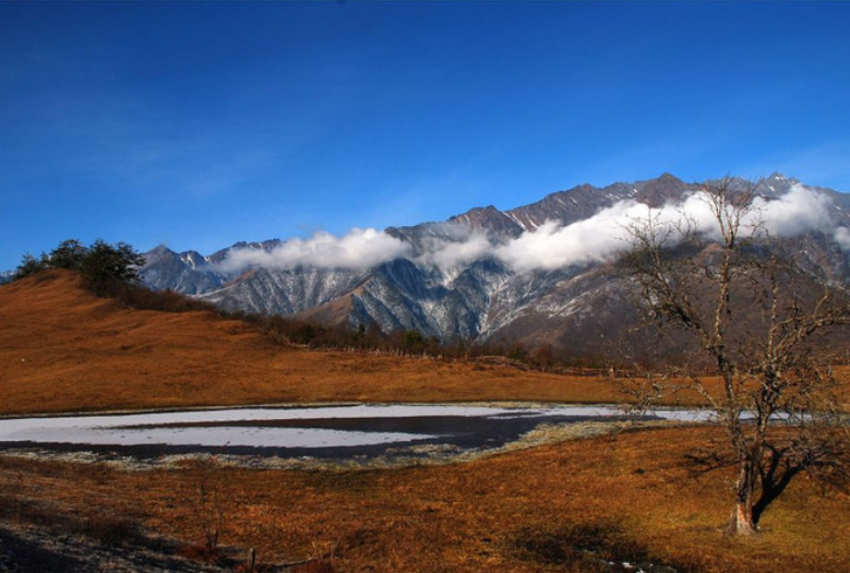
[{"x": 576, "y": 306}]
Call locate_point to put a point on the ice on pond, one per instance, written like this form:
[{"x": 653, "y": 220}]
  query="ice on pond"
[{"x": 255, "y": 427}]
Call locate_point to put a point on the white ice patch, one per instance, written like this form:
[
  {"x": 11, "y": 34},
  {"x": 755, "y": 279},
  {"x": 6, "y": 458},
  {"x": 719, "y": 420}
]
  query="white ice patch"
[
  {"x": 114, "y": 430},
  {"x": 218, "y": 436}
]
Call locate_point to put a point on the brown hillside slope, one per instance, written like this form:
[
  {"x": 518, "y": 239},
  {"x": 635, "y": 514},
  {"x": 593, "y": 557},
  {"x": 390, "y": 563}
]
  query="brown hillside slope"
[{"x": 61, "y": 348}]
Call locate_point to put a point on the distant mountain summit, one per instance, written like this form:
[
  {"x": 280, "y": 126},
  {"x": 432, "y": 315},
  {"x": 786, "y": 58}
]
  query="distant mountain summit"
[{"x": 479, "y": 296}]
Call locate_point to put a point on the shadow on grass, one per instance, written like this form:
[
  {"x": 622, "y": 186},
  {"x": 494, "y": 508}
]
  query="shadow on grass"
[
  {"x": 37, "y": 537},
  {"x": 42, "y": 538},
  {"x": 109, "y": 530},
  {"x": 18, "y": 554},
  {"x": 586, "y": 548}
]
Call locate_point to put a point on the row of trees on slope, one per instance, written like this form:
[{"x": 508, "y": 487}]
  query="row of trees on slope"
[
  {"x": 102, "y": 265},
  {"x": 112, "y": 271}
]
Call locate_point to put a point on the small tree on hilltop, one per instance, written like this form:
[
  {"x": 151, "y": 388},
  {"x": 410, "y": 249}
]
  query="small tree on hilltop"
[
  {"x": 105, "y": 266},
  {"x": 69, "y": 254},
  {"x": 755, "y": 317},
  {"x": 31, "y": 265}
]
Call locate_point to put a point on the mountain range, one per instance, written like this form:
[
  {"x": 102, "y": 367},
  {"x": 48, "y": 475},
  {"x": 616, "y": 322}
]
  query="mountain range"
[{"x": 486, "y": 274}]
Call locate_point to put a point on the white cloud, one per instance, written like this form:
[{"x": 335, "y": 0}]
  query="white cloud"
[
  {"x": 357, "y": 249},
  {"x": 601, "y": 236},
  {"x": 842, "y": 237},
  {"x": 451, "y": 254},
  {"x": 598, "y": 238},
  {"x": 796, "y": 212},
  {"x": 551, "y": 246}
]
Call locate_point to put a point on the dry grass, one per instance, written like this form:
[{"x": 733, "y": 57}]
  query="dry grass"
[
  {"x": 628, "y": 496},
  {"x": 63, "y": 349},
  {"x": 631, "y": 496}
]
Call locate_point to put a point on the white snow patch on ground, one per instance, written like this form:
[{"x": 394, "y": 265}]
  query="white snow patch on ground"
[{"x": 113, "y": 430}]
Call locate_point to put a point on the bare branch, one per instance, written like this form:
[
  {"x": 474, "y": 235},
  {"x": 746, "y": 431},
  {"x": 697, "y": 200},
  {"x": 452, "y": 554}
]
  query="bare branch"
[{"x": 754, "y": 314}]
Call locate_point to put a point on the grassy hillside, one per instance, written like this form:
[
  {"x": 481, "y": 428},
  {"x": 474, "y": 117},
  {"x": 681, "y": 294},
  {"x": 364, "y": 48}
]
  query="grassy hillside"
[{"x": 62, "y": 348}]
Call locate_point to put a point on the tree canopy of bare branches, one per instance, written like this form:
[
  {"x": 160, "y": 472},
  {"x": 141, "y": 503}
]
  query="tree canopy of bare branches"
[{"x": 757, "y": 317}]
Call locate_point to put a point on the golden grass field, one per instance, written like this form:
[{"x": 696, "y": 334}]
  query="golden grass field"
[
  {"x": 633, "y": 493},
  {"x": 511, "y": 512},
  {"x": 61, "y": 349}
]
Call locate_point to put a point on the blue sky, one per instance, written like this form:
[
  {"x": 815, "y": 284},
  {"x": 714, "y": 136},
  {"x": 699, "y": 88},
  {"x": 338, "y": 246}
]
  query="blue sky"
[{"x": 198, "y": 125}]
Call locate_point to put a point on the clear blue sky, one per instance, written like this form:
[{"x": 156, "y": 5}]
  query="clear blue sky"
[{"x": 197, "y": 125}]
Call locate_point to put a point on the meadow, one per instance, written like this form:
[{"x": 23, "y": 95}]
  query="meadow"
[{"x": 588, "y": 504}]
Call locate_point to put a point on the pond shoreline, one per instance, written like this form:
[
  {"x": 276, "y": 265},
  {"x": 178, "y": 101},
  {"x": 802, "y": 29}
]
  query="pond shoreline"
[
  {"x": 328, "y": 436},
  {"x": 340, "y": 404}
]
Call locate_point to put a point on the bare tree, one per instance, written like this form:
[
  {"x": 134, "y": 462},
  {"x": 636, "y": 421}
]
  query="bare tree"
[{"x": 756, "y": 318}]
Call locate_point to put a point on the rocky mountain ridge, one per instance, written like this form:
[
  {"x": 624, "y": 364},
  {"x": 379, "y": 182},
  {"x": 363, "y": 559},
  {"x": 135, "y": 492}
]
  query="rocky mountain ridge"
[{"x": 575, "y": 306}]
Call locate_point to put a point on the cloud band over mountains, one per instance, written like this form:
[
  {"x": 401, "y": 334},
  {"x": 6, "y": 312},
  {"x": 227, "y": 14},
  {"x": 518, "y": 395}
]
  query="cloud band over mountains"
[
  {"x": 357, "y": 249},
  {"x": 550, "y": 246}
]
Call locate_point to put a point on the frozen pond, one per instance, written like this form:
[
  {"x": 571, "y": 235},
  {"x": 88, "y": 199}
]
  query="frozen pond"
[{"x": 329, "y": 431}]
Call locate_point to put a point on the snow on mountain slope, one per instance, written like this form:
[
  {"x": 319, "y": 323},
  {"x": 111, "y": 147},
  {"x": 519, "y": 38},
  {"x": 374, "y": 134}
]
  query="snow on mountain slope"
[{"x": 453, "y": 283}]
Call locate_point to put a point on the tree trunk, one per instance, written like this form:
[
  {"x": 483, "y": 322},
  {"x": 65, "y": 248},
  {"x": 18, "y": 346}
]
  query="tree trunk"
[{"x": 741, "y": 521}]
